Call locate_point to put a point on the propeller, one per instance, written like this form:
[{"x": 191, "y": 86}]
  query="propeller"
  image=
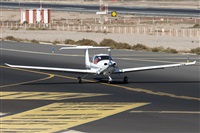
[
  {"x": 110, "y": 63},
  {"x": 110, "y": 66}
]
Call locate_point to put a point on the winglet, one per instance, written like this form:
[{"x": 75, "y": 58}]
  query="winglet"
[
  {"x": 8, "y": 64},
  {"x": 191, "y": 63}
]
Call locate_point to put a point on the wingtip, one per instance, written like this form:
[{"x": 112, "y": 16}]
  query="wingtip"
[
  {"x": 7, "y": 64},
  {"x": 191, "y": 63}
]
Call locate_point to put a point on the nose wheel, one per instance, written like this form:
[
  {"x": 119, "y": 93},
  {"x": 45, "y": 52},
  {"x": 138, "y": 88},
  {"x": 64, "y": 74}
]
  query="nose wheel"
[{"x": 110, "y": 79}]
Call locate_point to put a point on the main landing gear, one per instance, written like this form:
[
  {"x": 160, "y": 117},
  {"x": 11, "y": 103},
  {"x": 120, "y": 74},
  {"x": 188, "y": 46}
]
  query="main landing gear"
[
  {"x": 79, "y": 80},
  {"x": 125, "y": 80}
]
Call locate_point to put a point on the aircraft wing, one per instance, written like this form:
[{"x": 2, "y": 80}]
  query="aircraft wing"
[
  {"x": 153, "y": 67},
  {"x": 54, "y": 69}
]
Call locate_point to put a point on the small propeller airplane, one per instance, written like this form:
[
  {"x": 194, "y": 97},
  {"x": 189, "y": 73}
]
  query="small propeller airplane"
[{"x": 102, "y": 64}]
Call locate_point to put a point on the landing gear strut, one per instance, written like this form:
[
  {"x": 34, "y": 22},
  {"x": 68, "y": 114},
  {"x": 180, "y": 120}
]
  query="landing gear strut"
[
  {"x": 110, "y": 79},
  {"x": 79, "y": 80}
]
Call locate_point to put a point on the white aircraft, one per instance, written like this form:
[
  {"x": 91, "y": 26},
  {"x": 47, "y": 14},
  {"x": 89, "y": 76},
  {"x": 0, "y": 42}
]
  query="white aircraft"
[{"x": 102, "y": 64}]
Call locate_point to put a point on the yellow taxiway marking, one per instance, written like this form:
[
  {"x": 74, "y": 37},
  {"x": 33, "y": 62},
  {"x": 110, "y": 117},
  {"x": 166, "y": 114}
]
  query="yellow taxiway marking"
[
  {"x": 153, "y": 92},
  {"x": 26, "y": 82},
  {"x": 61, "y": 116},
  {"x": 138, "y": 89},
  {"x": 168, "y": 112},
  {"x": 119, "y": 86},
  {"x": 45, "y": 95}
]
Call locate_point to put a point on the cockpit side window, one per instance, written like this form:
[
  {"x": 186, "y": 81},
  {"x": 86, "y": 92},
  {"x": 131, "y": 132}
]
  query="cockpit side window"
[
  {"x": 105, "y": 58},
  {"x": 96, "y": 60}
]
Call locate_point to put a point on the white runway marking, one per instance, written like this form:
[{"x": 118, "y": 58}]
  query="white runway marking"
[
  {"x": 2, "y": 114},
  {"x": 168, "y": 112},
  {"x": 72, "y": 131}
]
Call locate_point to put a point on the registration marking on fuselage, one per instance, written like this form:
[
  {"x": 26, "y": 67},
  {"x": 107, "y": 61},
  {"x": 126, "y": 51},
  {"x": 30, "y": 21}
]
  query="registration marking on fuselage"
[{"x": 62, "y": 116}]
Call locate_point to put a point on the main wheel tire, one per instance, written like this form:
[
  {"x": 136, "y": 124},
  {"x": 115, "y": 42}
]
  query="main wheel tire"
[
  {"x": 125, "y": 80},
  {"x": 79, "y": 80}
]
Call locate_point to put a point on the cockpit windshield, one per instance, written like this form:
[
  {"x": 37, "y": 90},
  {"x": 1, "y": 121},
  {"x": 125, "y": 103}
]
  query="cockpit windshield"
[{"x": 100, "y": 58}]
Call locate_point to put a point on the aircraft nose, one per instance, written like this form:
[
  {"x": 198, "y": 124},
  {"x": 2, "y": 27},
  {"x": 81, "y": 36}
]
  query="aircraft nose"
[{"x": 112, "y": 63}]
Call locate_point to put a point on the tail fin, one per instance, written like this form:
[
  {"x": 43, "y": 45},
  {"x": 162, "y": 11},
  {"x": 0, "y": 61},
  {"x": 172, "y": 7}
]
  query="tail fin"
[
  {"x": 86, "y": 48},
  {"x": 87, "y": 60}
]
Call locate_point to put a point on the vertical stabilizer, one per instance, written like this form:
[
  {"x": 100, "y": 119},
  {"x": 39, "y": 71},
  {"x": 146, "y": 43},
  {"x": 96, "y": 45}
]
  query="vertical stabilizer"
[
  {"x": 87, "y": 60},
  {"x": 86, "y": 48}
]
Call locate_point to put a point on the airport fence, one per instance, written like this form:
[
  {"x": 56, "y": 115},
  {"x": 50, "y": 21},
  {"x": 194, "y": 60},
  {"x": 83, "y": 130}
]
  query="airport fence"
[
  {"x": 130, "y": 20},
  {"x": 120, "y": 29}
]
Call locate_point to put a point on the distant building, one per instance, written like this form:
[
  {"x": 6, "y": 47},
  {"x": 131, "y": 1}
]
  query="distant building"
[{"x": 39, "y": 15}]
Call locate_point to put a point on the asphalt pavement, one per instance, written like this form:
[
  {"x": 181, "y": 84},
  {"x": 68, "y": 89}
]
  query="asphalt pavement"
[
  {"x": 156, "y": 101},
  {"x": 119, "y": 9}
]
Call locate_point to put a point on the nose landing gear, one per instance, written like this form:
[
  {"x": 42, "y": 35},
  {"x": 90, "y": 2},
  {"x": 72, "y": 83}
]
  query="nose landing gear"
[{"x": 110, "y": 79}]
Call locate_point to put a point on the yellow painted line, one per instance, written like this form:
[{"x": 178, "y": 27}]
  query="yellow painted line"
[
  {"x": 153, "y": 92},
  {"x": 168, "y": 112},
  {"x": 138, "y": 89},
  {"x": 26, "y": 82},
  {"x": 45, "y": 95},
  {"x": 62, "y": 116},
  {"x": 124, "y": 87}
]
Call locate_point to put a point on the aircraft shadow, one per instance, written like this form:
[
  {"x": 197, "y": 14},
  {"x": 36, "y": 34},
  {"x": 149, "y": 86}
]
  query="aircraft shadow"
[
  {"x": 97, "y": 81},
  {"x": 148, "y": 82},
  {"x": 59, "y": 83}
]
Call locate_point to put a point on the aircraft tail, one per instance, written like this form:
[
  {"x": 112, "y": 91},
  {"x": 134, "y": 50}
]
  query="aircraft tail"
[{"x": 86, "y": 48}]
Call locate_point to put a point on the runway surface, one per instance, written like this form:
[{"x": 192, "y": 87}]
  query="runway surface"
[
  {"x": 156, "y": 101},
  {"x": 119, "y": 9}
]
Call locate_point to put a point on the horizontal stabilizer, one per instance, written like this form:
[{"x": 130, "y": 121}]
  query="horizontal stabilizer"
[{"x": 83, "y": 47}]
